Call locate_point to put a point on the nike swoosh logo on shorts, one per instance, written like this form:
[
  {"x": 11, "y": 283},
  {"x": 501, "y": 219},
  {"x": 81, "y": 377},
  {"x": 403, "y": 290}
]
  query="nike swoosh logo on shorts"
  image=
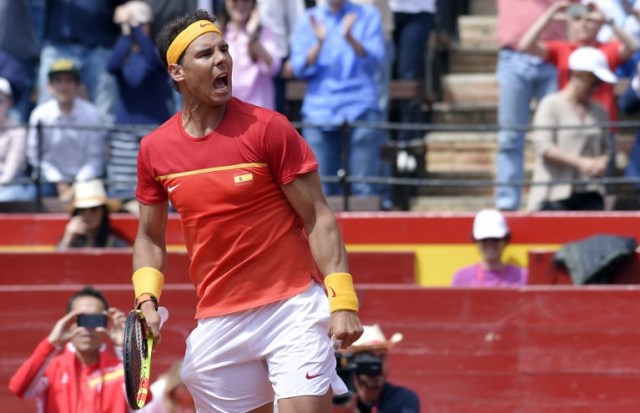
[
  {"x": 309, "y": 376},
  {"x": 171, "y": 188}
]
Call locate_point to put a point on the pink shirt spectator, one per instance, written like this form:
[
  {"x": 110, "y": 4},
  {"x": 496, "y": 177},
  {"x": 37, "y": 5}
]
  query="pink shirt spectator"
[
  {"x": 475, "y": 276},
  {"x": 515, "y": 18},
  {"x": 252, "y": 81}
]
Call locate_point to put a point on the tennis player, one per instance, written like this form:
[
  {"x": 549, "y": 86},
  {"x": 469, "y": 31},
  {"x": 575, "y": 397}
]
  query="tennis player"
[{"x": 260, "y": 235}]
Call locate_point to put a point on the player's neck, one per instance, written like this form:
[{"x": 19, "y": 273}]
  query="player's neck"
[{"x": 199, "y": 120}]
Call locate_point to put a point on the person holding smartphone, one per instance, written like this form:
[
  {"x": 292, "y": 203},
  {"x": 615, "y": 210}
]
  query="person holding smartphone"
[{"x": 72, "y": 370}]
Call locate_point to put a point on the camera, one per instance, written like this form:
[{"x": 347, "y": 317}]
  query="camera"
[
  {"x": 349, "y": 366},
  {"x": 92, "y": 320}
]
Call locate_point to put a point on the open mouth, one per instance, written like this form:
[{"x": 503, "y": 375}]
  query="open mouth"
[{"x": 221, "y": 81}]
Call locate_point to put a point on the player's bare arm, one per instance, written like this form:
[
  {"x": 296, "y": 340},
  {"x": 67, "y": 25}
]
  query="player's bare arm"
[
  {"x": 327, "y": 246},
  {"x": 150, "y": 251}
]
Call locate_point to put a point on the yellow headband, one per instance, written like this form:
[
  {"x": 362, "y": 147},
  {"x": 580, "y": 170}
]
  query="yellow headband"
[{"x": 188, "y": 35}]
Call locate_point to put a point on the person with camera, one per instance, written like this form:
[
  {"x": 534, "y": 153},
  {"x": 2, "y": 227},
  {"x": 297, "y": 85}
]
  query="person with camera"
[
  {"x": 368, "y": 362},
  {"x": 72, "y": 370}
]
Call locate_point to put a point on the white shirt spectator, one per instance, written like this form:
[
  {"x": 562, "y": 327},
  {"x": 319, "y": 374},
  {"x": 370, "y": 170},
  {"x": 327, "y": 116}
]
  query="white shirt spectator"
[
  {"x": 413, "y": 6},
  {"x": 68, "y": 154}
]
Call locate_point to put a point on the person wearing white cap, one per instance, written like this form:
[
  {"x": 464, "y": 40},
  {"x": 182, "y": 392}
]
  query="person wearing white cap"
[
  {"x": 491, "y": 234},
  {"x": 569, "y": 159},
  {"x": 90, "y": 225},
  {"x": 368, "y": 357},
  {"x": 13, "y": 163}
]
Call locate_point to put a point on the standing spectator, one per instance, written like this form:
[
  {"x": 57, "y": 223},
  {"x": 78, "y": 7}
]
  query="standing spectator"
[
  {"x": 521, "y": 77},
  {"x": 13, "y": 144},
  {"x": 337, "y": 49},
  {"x": 18, "y": 54},
  {"x": 77, "y": 368},
  {"x": 90, "y": 225},
  {"x": 66, "y": 152},
  {"x": 570, "y": 154},
  {"x": 375, "y": 394},
  {"x": 281, "y": 17},
  {"x": 413, "y": 21},
  {"x": 143, "y": 90},
  {"x": 82, "y": 30},
  {"x": 491, "y": 235},
  {"x": 254, "y": 52}
]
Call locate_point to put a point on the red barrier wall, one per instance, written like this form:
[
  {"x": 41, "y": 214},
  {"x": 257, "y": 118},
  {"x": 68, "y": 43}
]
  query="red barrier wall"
[
  {"x": 542, "y": 270},
  {"x": 371, "y": 227},
  {"x": 113, "y": 266},
  {"x": 535, "y": 350}
]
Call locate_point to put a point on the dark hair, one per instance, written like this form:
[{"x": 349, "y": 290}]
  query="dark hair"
[
  {"x": 104, "y": 231},
  {"x": 87, "y": 291},
  {"x": 172, "y": 29}
]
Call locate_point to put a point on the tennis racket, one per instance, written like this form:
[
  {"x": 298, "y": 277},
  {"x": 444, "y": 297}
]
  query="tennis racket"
[{"x": 138, "y": 343}]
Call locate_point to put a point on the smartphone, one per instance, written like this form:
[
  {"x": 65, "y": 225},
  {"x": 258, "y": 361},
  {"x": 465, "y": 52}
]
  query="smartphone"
[{"x": 92, "y": 320}]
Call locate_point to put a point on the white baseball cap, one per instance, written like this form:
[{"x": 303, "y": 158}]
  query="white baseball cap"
[
  {"x": 5, "y": 87},
  {"x": 489, "y": 223},
  {"x": 590, "y": 59}
]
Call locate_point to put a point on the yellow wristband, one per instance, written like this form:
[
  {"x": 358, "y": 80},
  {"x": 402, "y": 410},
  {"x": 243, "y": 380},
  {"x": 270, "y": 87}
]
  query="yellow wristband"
[
  {"x": 341, "y": 293},
  {"x": 148, "y": 280}
]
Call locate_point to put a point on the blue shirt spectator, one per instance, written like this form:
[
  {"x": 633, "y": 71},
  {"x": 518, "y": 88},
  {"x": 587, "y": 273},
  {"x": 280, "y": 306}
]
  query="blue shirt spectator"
[
  {"x": 340, "y": 84},
  {"x": 337, "y": 48},
  {"x": 143, "y": 82}
]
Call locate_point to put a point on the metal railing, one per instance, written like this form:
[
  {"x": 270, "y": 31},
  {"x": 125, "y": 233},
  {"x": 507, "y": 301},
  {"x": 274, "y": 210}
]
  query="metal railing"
[{"x": 345, "y": 179}]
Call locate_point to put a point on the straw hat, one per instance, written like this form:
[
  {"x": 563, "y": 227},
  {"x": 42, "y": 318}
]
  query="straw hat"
[
  {"x": 374, "y": 339},
  {"x": 89, "y": 194}
]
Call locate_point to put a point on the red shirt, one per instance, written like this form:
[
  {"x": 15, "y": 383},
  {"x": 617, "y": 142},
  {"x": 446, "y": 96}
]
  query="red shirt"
[
  {"x": 62, "y": 384},
  {"x": 558, "y": 54},
  {"x": 247, "y": 244}
]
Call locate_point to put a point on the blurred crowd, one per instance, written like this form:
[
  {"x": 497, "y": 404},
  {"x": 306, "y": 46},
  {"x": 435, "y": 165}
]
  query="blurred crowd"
[
  {"x": 85, "y": 77},
  {"x": 81, "y": 83}
]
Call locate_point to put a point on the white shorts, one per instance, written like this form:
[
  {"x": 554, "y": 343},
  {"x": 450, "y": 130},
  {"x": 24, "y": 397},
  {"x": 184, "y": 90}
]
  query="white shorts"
[{"x": 238, "y": 362}]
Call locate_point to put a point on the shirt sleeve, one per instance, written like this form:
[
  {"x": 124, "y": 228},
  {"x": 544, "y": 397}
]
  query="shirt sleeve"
[
  {"x": 30, "y": 381},
  {"x": 543, "y": 138},
  {"x": 288, "y": 154},
  {"x": 148, "y": 191},
  {"x": 301, "y": 42}
]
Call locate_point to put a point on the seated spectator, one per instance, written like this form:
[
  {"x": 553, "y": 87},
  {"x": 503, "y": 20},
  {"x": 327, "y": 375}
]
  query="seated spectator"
[
  {"x": 337, "y": 48},
  {"x": 89, "y": 225},
  {"x": 143, "y": 89},
  {"x": 570, "y": 158},
  {"x": 254, "y": 52},
  {"x": 67, "y": 151},
  {"x": 13, "y": 143},
  {"x": 170, "y": 394},
  {"x": 77, "y": 368},
  {"x": 491, "y": 235},
  {"x": 373, "y": 391}
]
